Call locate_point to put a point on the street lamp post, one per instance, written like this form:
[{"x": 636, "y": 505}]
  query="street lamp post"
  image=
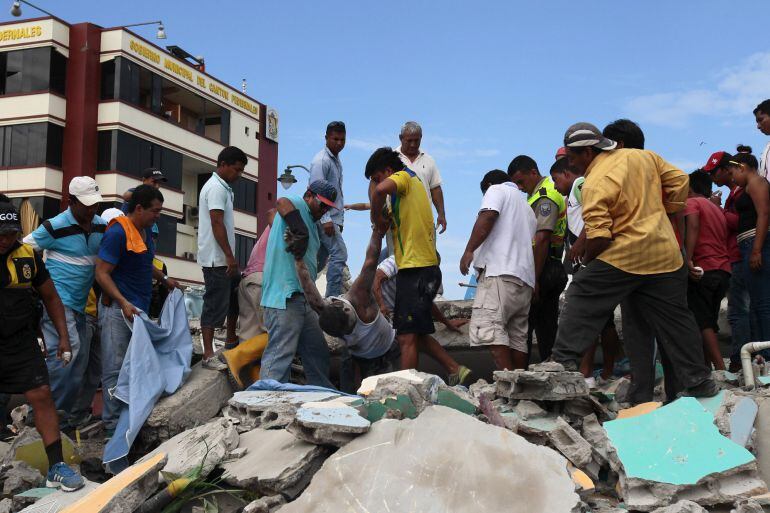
[
  {"x": 287, "y": 179},
  {"x": 16, "y": 8},
  {"x": 161, "y": 29}
]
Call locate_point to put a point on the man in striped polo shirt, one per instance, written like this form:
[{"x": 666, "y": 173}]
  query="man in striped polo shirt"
[{"x": 71, "y": 242}]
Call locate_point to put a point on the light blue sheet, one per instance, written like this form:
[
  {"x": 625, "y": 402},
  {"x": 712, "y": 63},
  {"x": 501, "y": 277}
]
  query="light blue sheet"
[
  {"x": 157, "y": 363},
  {"x": 272, "y": 384}
]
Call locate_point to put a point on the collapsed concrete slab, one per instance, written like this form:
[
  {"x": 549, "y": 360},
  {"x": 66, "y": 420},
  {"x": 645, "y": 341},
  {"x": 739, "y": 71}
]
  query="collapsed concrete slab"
[
  {"x": 205, "y": 446},
  {"x": 329, "y": 423},
  {"x": 541, "y": 385},
  {"x": 676, "y": 453},
  {"x": 441, "y": 462},
  {"x": 748, "y": 506},
  {"x": 269, "y": 408},
  {"x": 197, "y": 401},
  {"x": 682, "y": 507},
  {"x": 569, "y": 442},
  {"x": 28, "y": 447},
  {"x": 268, "y": 504},
  {"x": 19, "y": 476},
  {"x": 529, "y": 410},
  {"x": 276, "y": 463},
  {"x": 58, "y": 500}
]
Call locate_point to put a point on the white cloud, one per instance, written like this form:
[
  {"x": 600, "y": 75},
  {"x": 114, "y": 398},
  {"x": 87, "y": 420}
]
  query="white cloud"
[{"x": 733, "y": 91}]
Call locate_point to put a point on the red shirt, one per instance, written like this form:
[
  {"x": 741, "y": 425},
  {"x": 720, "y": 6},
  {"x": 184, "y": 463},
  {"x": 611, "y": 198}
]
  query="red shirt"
[
  {"x": 731, "y": 216},
  {"x": 711, "y": 248}
]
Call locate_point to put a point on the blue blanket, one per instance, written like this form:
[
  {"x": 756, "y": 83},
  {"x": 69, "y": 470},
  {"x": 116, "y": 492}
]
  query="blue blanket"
[{"x": 157, "y": 362}]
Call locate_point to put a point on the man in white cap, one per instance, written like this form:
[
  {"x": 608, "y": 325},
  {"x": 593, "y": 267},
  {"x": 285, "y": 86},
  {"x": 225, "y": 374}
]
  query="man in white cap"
[
  {"x": 71, "y": 242},
  {"x": 631, "y": 254}
]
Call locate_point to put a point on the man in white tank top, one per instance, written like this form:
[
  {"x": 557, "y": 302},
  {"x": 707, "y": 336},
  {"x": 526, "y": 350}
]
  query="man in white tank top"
[{"x": 355, "y": 317}]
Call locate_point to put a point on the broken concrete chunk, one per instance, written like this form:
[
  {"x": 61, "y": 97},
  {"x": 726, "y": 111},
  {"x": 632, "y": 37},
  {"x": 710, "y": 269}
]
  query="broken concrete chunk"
[
  {"x": 482, "y": 388},
  {"x": 19, "y": 477},
  {"x": 205, "y": 446},
  {"x": 274, "y": 407},
  {"x": 682, "y": 507},
  {"x": 528, "y": 410},
  {"x": 28, "y": 447},
  {"x": 540, "y": 386},
  {"x": 596, "y": 436},
  {"x": 616, "y": 389},
  {"x": 423, "y": 381},
  {"x": 747, "y": 506},
  {"x": 546, "y": 367},
  {"x": 276, "y": 463},
  {"x": 125, "y": 492},
  {"x": 569, "y": 442},
  {"x": 6, "y": 506},
  {"x": 661, "y": 465},
  {"x": 328, "y": 424},
  {"x": 735, "y": 417},
  {"x": 265, "y": 504},
  {"x": 487, "y": 469}
]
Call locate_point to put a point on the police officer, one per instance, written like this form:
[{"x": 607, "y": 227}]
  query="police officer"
[
  {"x": 551, "y": 279},
  {"x": 22, "y": 365}
]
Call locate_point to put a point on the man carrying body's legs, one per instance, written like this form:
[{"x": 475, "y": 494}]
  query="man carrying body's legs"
[
  {"x": 22, "y": 366},
  {"x": 630, "y": 253},
  {"x": 291, "y": 323}
]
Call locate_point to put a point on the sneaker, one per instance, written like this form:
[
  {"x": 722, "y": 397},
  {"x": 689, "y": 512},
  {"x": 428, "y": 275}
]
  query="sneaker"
[
  {"x": 214, "y": 363},
  {"x": 458, "y": 379},
  {"x": 706, "y": 389},
  {"x": 60, "y": 475}
]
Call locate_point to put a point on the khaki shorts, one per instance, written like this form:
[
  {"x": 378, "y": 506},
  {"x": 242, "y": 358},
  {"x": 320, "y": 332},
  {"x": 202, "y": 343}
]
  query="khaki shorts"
[{"x": 501, "y": 312}]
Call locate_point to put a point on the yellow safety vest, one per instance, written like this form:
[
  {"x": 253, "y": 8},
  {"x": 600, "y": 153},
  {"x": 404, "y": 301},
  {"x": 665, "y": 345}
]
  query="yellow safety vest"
[
  {"x": 17, "y": 306},
  {"x": 547, "y": 189}
]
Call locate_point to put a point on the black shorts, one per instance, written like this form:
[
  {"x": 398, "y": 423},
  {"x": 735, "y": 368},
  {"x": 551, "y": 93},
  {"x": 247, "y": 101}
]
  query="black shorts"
[
  {"x": 22, "y": 365},
  {"x": 415, "y": 290},
  {"x": 705, "y": 296},
  {"x": 220, "y": 299}
]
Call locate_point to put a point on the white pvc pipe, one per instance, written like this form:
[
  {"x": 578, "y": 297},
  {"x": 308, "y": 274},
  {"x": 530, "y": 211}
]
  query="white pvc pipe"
[{"x": 748, "y": 371}]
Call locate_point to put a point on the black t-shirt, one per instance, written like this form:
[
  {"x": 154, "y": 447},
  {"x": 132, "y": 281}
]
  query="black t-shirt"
[{"x": 40, "y": 273}]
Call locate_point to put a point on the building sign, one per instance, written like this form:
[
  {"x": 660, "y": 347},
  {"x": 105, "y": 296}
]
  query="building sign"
[
  {"x": 21, "y": 33},
  {"x": 272, "y": 124},
  {"x": 192, "y": 76}
]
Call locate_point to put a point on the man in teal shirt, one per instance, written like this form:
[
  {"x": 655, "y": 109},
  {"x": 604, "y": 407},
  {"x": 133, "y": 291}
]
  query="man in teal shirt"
[{"x": 292, "y": 326}]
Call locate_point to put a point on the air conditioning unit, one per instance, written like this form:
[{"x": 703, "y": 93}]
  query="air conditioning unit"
[
  {"x": 189, "y": 255},
  {"x": 191, "y": 214}
]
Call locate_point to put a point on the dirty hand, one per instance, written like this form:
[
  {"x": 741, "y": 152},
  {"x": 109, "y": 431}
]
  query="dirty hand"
[
  {"x": 129, "y": 310},
  {"x": 456, "y": 324},
  {"x": 296, "y": 242},
  {"x": 465, "y": 262},
  {"x": 64, "y": 347},
  {"x": 232, "y": 266},
  {"x": 695, "y": 275},
  {"x": 441, "y": 221},
  {"x": 576, "y": 251},
  {"x": 755, "y": 261},
  {"x": 172, "y": 284},
  {"x": 716, "y": 198},
  {"x": 328, "y": 229}
]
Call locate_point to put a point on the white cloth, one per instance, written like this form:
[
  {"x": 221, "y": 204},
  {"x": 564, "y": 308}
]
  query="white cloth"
[
  {"x": 216, "y": 194},
  {"x": 425, "y": 168},
  {"x": 508, "y": 247},
  {"x": 389, "y": 268},
  {"x": 764, "y": 165},
  {"x": 370, "y": 340},
  {"x": 575, "y": 221}
]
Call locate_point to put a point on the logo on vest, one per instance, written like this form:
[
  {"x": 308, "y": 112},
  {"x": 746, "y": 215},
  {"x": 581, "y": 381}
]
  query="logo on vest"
[
  {"x": 10, "y": 216},
  {"x": 26, "y": 270},
  {"x": 545, "y": 209}
]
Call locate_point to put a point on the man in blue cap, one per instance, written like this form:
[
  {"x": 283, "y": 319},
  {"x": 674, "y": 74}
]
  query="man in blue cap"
[{"x": 292, "y": 325}]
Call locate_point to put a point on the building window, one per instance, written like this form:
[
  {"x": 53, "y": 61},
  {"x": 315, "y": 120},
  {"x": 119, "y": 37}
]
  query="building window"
[
  {"x": 243, "y": 247},
  {"x": 32, "y": 70},
  {"x": 166, "y": 243},
  {"x": 127, "y": 153},
  {"x": 32, "y": 144},
  {"x": 245, "y": 195},
  {"x": 137, "y": 85}
]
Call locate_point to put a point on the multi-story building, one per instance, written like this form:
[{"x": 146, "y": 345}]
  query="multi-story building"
[{"x": 80, "y": 100}]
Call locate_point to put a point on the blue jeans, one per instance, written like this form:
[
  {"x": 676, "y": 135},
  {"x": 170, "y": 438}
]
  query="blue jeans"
[
  {"x": 65, "y": 379},
  {"x": 758, "y": 285},
  {"x": 334, "y": 254},
  {"x": 738, "y": 312},
  {"x": 293, "y": 331},
  {"x": 93, "y": 372},
  {"x": 115, "y": 336}
]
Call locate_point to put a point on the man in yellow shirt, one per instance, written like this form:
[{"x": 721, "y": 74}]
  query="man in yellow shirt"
[
  {"x": 410, "y": 219},
  {"x": 631, "y": 254}
]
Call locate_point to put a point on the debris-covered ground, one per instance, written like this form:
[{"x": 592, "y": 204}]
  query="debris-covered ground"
[{"x": 528, "y": 441}]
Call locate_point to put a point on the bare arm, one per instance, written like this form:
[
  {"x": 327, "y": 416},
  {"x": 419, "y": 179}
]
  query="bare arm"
[
  {"x": 692, "y": 233},
  {"x": 358, "y": 206},
  {"x": 220, "y": 235},
  {"x": 283, "y": 206},
  {"x": 170, "y": 283},
  {"x": 379, "y": 278},
  {"x": 105, "y": 281},
  {"x": 758, "y": 192},
  {"x": 481, "y": 229},
  {"x": 312, "y": 295},
  {"x": 382, "y": 190},
  {"x": 594, "y": 248},
  {"x": 542, "y": 246},
  {"x": 55, "y": 309},
  {"x": 437, "y": 195}
]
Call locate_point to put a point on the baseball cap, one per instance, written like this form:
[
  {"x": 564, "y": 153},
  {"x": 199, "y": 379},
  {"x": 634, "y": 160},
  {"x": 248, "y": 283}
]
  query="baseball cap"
[
  {"x": 561, "y": 152},
  {"x": 154, "y": 173},
  {"x": 585, "y": 134},
  {"x": 717, "y": 159},
  {"x": 9, "y": 219},
  {"x": 324, "y": 191},
  {"x": 86, "y": 190}
]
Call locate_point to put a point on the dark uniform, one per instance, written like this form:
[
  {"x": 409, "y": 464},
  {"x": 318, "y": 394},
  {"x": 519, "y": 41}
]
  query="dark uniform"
[{"x": 22, "y": 365}]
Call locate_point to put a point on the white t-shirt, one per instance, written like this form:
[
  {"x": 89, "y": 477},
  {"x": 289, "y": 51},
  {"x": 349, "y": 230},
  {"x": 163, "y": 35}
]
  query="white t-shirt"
[
  {"x": 764, "y": 165},
  {"x": 216, "y": 194},
  {"x": 575, "y": 207},
  {"x": 425, "y": 168},
  {"x": 508, "y": 248}
]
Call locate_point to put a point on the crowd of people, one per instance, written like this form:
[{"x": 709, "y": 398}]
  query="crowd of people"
[{"x": 632, "y": 230}]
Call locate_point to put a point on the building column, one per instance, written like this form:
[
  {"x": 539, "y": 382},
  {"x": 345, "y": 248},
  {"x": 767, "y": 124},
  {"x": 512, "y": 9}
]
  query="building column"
[
  {"x": 268, "y": 172},
  {"x": 83, "y": 95}
]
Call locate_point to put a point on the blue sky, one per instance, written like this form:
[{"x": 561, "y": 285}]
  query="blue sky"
[{"x": 487, "y": 81}]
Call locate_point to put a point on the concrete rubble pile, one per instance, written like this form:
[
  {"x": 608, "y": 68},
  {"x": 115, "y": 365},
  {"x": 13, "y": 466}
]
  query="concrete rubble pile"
[{"x": 535, "y": 440}]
